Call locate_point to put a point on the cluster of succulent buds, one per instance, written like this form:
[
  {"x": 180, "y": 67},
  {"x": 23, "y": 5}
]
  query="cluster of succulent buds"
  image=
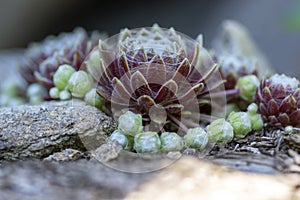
[{"x": 131, "y": 135}]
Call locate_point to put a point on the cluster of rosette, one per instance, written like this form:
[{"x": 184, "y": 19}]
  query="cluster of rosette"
[{"x": 167, "y": 77}]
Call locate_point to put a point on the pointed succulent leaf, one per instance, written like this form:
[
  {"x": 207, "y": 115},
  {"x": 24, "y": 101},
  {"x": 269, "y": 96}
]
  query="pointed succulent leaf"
[
  {"x": 119, "y": 90},
  {"x": 145, "y": 102},
  {"x": 192, "y": 92},
  {"x": 273, "y": 107},
  {"x": 284, "y": 119},
  {"x": 140, "y": 85},
  {"x": 182, "y": 71},
  {"x": 267, "y": 94},
  {"x": 295, "y": 118},
  {"x": 174, "y": 108},
  {"x": 273, "y": 119},
  {"x": 166, "y": 92}
]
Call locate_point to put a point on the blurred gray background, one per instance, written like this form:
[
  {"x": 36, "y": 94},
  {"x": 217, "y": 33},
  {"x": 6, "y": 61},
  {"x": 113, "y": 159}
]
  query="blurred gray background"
[{"x": 274, "y": 24}]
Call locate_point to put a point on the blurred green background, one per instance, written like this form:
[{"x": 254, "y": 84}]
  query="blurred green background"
[{"x": 274, "y": 24}]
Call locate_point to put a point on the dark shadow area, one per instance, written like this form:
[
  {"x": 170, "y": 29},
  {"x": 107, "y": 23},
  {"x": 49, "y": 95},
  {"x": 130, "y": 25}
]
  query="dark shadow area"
[{"x": 22, "y": 22}]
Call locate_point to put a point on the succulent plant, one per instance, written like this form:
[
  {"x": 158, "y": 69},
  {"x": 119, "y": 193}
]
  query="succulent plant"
[
  {"x": 43, "y": 59},
  {"x": 130, "y": 123},
  {"x": 161, "y": 74},
  {"x": 36, "y": 93},
  {"x": 62, "y": 76},
  {"x": 125, "y": 140},
  {"x": 241, "y": 123},
  {"x": 235, "y": 44},
  {"x": 247, "y": 87},
  {"x": 256, "y": 119},
  {"x": 54, "y": 93},
  {"x": 65, "y": 95},
  {"x": 196, "y": 138},
  {"x": 79, "y": 84},
  {"x": 93, "y": 99},
  {"x": 234, "y": 67},
  {"x": 11, "y": 93},
  {"x": 171, "y": 141},
  {"x": 147, "y": 142},
  {"x": 257, "y": 122},
  {"x": 219, "y": 131},
  {"x": 288, "y": 129},
  {"x": 278, "y": 100}
]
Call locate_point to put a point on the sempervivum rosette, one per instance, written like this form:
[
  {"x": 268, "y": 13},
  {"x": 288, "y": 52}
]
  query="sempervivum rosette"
[
  {"x": 278, "y": 100},
  {"x": 159, "y": 73},
  {"x": 233, "y": 67},
  {"x": 43, "y": 59},
  {"x": 239, "y": 58}
]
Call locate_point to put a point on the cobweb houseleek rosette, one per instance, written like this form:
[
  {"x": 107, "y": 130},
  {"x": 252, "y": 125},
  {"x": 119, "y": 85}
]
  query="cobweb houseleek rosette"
[
  {"x": 233, "y": 67},
  {"x": 161, "y": 74},
  {"x": 43, "y": 59},
  {"x": 239, "y": 56},
  {"x": 278, "y": 100},
  {"x": 241, "y": 79}
]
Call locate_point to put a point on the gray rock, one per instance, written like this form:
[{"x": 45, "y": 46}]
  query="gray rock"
[
  {"x": 41, "y": 130},
  {"x": 65, "y": 155},
  {"x": 88, "y": 180}
]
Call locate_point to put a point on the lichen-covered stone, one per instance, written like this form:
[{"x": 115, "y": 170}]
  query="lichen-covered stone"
[{"x": 41, "y": 130}]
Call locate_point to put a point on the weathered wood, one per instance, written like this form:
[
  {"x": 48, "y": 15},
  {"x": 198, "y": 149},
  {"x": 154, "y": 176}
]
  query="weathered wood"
[{"x": 40, "y": 130}]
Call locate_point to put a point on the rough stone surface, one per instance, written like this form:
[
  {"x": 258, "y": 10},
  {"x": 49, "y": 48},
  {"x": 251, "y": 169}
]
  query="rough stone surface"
[
  {"x": 190, "y": 178},
  {"x": 41, "y": 130},
  {"x": 88, "y": 180},
  {"x": 65, "y": 155}
]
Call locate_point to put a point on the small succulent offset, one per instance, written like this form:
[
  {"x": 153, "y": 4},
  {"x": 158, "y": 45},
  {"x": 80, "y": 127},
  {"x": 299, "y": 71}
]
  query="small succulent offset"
[
  {"x": 256, "y": 119},
  {"x": 171, "y": 141},
  {"x": 147, "y": 142},
  {"x": 155, "y": 69},
  {"x": 278, "y": 100},
  {"x": 120, "y": 137},
  {"x": 220, "y": 132},
  {"x": 247, "y": 87},
  {"x": 11, "y": 94},
  {"x": 130, "y": 123},
  {"x": 241, "y": 123},
  {"x": 196, "y": 138}
]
